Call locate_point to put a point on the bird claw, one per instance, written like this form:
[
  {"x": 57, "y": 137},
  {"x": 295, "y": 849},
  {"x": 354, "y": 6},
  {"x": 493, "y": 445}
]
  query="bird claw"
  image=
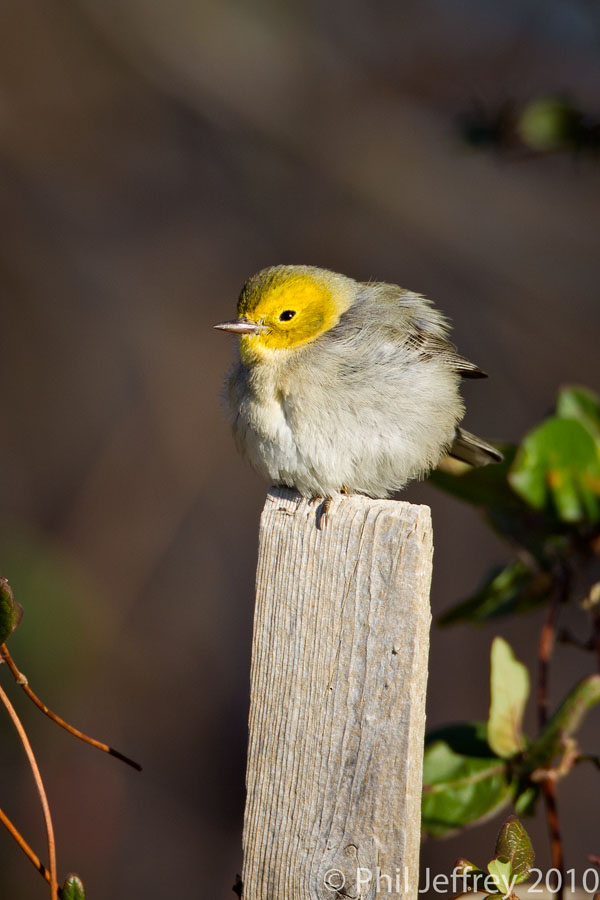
[{"x": 322, "y": 514}]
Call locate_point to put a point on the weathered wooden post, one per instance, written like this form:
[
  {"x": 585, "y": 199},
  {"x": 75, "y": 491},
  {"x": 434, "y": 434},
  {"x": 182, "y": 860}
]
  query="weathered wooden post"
[{"x": 337, "y": 708}]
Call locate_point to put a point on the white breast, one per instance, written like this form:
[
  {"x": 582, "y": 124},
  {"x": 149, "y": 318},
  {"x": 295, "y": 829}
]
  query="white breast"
[{"x": 261, "y": 428}]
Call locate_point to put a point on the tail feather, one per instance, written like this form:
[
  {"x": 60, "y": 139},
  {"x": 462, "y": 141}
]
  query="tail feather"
[{"x": 471, "y": 449}]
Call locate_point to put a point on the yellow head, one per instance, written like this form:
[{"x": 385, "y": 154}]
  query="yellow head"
[{"x": 286, "y": 306}]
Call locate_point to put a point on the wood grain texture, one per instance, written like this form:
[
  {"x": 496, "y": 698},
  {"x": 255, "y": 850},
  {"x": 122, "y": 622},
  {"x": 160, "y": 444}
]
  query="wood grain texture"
[{"x": 337, "y": 708}]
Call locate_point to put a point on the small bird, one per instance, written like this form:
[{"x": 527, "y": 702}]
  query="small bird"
[{"x": 344, "y": 386}]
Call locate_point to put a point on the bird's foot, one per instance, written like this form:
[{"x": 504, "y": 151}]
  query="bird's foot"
[
  {"x": 325, "y": 508},
  {"x": 322, "y": 514}
]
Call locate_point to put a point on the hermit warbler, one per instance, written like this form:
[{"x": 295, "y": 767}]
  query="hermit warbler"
[{"x": 344, "y": 386}]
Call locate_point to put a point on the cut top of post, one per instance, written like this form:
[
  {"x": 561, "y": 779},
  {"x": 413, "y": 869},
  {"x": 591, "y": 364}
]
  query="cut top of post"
[{"x": 337, "y": 710}]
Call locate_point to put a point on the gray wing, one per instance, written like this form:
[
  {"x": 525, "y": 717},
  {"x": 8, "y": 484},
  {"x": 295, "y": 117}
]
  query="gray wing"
[
  {"x": 427, "y": 345},
  {"x": 426, "y": 328}
]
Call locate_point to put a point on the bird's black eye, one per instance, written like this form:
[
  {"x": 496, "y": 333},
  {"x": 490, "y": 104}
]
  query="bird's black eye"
[{"x": 286, "y": 315}]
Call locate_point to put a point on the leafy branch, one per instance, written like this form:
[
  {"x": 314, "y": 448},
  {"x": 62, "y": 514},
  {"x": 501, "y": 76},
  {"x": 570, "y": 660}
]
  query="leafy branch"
[
  {"x": 544, "y": 500},
  {"x": 511, "y": 865}
]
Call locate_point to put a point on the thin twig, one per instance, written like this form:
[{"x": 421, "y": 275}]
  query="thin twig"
[
  {"x": 41, "y": 791},
  {"x": 27, "y": 850},
  {"x": 545, "y": 650},
  {"x": 22, "y": 681},
  {"x": 556, "y": 847},
  {"x": 29, "y": 853}
]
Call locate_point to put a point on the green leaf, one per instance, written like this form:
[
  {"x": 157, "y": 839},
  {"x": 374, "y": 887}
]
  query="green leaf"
[
  {"x": 11, "y": 612},
  {"x": 486, "y": 486},
  {"x": 466, "y": 738},
  {"x": 463, "y": 781},
  {"x": 509, "y": 690},
  {"x": 575, "y": 402},
  {"x": 500, "y": 869},
  {"x": 514, "y": 844},
  {"x": 507, "y": 513},
  {"x": 464, "y": 867},
  {"x": 471, "y": 874},
  {"x": 526, "y": 801},
  {"x": 516, "y": 588},
  {"x": 73, "y": 888},
  {"x": 558, "y": 464},
  {"x": 549, "y": 124},
  {"x": 565, "y": 722}
]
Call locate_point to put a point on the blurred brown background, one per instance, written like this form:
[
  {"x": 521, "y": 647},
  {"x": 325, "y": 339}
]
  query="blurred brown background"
[{"x": 152, "y": 157}]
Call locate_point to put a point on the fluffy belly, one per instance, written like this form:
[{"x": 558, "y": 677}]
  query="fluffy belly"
[
  {"x": 265, "y": 438},
  {"x": 323, "y": 460},
  {"x": 322, "y": 444}
]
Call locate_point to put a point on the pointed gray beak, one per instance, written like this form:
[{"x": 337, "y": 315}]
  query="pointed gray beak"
[{"x": 241, "y": 326}]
